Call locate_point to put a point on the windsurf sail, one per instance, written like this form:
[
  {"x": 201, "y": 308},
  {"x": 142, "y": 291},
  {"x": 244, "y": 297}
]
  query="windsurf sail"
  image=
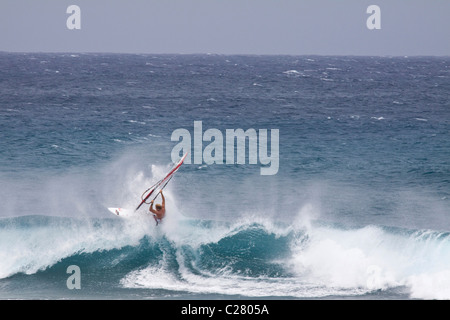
[{"x": 161, "y": 184}]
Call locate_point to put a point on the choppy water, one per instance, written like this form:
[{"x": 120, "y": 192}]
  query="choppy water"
[{"x": 358, "y": 208}]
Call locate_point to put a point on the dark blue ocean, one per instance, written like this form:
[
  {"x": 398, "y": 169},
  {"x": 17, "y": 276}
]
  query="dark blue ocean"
[{"x": 359, "y": 207}]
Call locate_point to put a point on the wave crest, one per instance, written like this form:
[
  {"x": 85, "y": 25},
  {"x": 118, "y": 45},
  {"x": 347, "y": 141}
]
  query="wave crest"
[{"x": 250, "y": 257}]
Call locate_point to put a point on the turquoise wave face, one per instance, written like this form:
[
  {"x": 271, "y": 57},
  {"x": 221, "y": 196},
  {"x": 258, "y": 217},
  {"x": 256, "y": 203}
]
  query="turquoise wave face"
[{"x": 249, "y": 258}]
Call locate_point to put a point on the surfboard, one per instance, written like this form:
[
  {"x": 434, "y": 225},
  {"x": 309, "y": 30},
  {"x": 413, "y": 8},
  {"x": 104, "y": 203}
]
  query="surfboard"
[
  {"x": 160, "y": 185},
  {"x": 121, "y": 212}
]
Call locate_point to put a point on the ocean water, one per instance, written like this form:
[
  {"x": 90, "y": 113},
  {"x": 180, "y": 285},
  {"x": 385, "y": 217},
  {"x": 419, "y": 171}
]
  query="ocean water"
[{"x": 358, "y": 209}]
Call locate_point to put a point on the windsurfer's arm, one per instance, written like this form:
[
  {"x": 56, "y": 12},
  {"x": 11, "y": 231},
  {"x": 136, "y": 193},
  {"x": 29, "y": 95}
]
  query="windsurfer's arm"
[
  {"x": 163, "y": 200},
  {"x": 151, "y": 207}
]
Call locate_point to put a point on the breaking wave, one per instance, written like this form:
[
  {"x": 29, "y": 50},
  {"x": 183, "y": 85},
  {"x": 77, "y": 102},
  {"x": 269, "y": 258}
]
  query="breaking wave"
[{"x": 252, "y": 257}]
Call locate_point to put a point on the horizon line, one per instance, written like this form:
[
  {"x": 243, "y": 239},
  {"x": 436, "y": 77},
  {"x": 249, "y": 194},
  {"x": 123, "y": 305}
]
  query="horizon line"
[{"x": 230, "y": 54}]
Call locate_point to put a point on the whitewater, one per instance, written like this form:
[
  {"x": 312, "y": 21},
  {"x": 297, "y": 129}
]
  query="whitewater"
[{"x": 252, "y": 257}]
